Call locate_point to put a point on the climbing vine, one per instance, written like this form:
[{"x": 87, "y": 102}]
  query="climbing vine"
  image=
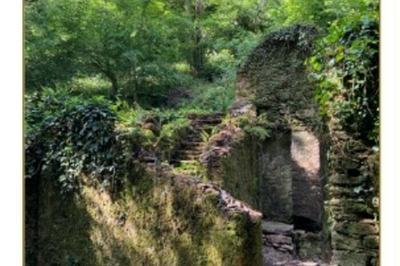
[
  {"x": 74, "y": 139},
  {"x": 345, "y": 66}
]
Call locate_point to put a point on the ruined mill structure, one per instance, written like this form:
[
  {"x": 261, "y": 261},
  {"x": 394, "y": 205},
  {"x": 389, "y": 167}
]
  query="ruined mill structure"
[
  {"x": 306, "y": 177},
  {"x": 271, "y": 182}
]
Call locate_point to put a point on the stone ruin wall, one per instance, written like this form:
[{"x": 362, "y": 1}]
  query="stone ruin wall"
[{"x": 309, "y": 172}]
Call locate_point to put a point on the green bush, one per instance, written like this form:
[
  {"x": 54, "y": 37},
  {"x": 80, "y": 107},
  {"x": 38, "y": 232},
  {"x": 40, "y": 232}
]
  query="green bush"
[{"x": 74, "y": 137}]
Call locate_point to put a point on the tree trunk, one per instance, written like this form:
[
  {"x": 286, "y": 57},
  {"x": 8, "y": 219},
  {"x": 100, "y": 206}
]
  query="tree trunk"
[
  {"x": 105, "y": 70},
  {"x": 198, "y": 50},
  {"x": 114, "y": 86},
  {"x": 195, "y": 57}
]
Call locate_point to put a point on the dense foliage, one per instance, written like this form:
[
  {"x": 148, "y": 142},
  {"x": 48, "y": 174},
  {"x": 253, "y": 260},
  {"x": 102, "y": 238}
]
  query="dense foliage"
[
  {"x": 142, "y": 49},
  {"x": 345, "y": 65},
  {"x": 69, "y": 136},
  {"x": 125, "y": 74},
  {"x": 74, "y": 138}
]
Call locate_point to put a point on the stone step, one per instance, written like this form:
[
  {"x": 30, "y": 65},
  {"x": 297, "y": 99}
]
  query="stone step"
[
  {"x": 194, "y": 138},
  {"x": 194, "y": 150},
  {"x": 188, "y": 161},
  {"x": 189, "y": 149},
  {"x": 149, "y": 159},
  {"x": 192, "y": 143},
  {"x": 183, "y": 161},
  {"x": 189, "y": 158},
  {"x": 272, "y": 227},
  {"x": 211, "y": 122},
  {"x": 206, "y": 116},
  {"x": 188, "y": 172}
]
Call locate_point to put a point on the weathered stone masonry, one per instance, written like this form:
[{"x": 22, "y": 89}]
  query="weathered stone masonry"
[{"x": 309, "y": 173}]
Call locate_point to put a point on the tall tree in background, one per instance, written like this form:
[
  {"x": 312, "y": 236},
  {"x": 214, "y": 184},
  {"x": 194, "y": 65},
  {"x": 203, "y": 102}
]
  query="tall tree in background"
[{"x": 198, "y": 46}]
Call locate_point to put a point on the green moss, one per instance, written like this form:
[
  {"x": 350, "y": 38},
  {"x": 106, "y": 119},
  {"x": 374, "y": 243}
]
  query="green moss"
[
  {"x": 242, "y": 179},
  {"x": 171, "y": 134},
  {"x": 153, "y": 221}
]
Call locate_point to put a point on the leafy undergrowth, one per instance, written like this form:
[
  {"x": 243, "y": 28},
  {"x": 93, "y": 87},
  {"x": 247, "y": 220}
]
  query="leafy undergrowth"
[
  {"x": 76, "y": 133},
  {"x": 97, "y": 206},
  {"x": 214, "y": 96}
]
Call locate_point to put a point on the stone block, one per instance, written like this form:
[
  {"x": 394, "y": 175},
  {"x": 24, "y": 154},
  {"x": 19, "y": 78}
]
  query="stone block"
[
  {"x": 343, "y": 180},
  {"x": 344, "y": 242},
  {"x": 351, "y": 206},
  {"x": 371, "y": 241},
  {"x": 366, "y": 227},
  {"x": 269, "y": 227},
  {"x": 345, "y": 258},
  {"x": 308, "y": 245}
]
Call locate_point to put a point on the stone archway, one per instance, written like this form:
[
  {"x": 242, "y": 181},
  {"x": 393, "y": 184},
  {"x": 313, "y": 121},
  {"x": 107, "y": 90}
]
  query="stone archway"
[
  {"x": 292, "y": 163},
  {"x": 311, "y": 210},
  {"x": 307, "y": 181}
]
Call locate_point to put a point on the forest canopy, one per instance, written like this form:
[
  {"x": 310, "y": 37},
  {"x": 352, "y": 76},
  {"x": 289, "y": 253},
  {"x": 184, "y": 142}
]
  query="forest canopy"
[
  {"x": 165, "y": 59},
  {"x": 143, "y": 48}
]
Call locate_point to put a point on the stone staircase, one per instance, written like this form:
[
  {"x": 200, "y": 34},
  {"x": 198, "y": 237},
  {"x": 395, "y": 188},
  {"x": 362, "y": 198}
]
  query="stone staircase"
[
  {"x": 282, "y": 244},
  {"x": 186, "y": 158}
]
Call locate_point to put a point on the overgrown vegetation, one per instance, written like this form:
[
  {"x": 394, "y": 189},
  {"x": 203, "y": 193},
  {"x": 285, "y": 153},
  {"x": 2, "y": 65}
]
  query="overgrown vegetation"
[
  {"x": 144, "y": 49},
  {"x": 345, "y": 65},
  {"x": 155, "y": 221},
  {"x": 111, "y": 82},
  {"x": 72, "y": 136}
]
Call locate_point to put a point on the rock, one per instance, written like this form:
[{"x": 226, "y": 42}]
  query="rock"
[
  {"x": 351, "y": 206},
  {"x": 339, "y": 191},
  {"x": 274, "y": 257},
  {"x": 270, "y": 227},
  {"x": 346, "y": 258},
  {"x": 365, "y": 227},
  {"x": 308, "y": 244},
  {"x": 151, "y": 126},
  {"x": 374, "y": 261},
  {"x": 343, "y": 242},
  {"x": 241, "y": 107},
  {"x": 371, "y": 241},
  {"x": 308, "y": 263},
  {"x": 347, "y": 180},
  {"x": 338, "y": 213},
  {"x": 278, "y": 240}
]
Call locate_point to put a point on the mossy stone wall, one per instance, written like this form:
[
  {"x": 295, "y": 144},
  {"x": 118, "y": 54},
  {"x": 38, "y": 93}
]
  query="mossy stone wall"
[
  {"x": 154, "y": 220},
  {"x": 275, "y": 79}
]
